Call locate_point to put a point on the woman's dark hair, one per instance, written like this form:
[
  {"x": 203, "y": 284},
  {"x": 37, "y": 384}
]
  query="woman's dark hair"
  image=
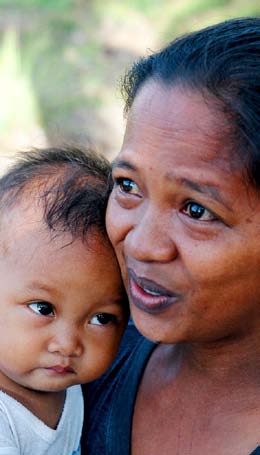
[
  {"x": 71, "y": 184},
  {"x": 222, "y": 61}
]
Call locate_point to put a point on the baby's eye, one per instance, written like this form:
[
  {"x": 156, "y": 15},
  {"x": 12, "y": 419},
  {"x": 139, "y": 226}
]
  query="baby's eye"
[
  {"x": 42, "y": 308},
  {"x": 127, "y": 186},
  {"x": 103, "y": 319},
  {"x": 198, "y": 212}
]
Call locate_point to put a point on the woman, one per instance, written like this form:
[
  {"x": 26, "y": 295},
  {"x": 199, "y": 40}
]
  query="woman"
[{"x": 184, "y": 219}]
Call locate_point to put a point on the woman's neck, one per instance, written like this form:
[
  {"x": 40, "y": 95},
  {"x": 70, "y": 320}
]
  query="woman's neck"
[{"x": 225, "y": 360}]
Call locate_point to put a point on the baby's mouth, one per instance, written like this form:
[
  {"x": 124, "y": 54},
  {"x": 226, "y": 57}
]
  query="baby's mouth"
[{"x": 60, "y": 370}]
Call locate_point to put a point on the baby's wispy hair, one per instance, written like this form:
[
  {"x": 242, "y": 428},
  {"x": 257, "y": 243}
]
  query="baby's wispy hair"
[{"x": 70, "y": 183}]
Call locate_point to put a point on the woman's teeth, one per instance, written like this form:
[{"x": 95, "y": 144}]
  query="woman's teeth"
[{"x": 148, "y": 291}]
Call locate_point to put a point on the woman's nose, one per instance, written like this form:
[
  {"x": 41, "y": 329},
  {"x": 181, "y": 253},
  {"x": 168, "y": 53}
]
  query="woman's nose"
[
  {"x": 151, "y": 239},
  {"x": 66, "y": 342}
]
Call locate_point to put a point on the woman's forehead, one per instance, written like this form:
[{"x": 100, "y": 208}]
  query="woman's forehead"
[
  {"x": 168, "y": 118},
  {"x": 168, "y": 104}
]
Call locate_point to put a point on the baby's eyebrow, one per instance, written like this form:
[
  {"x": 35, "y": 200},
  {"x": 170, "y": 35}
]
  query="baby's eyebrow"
[{"x": 39, "y": 286}]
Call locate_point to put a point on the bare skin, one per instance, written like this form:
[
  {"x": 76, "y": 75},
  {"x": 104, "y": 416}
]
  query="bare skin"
[
  {"x": 59, "y": 325},
  {"x": 188, "y": 409},
  {"x": 185, "y": 224}
]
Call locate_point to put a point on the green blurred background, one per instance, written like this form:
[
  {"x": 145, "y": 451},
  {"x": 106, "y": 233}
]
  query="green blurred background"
[{"x": 61, "y": 61}]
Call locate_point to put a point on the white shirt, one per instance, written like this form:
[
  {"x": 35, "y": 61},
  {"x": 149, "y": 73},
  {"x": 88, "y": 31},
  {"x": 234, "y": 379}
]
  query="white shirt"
[{"x": 22, "y": 433}]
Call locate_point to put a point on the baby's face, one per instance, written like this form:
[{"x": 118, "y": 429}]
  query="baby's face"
[{"x": 61, "y": 310}]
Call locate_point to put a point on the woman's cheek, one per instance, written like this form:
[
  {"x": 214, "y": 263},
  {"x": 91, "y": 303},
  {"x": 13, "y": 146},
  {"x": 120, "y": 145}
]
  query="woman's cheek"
[
  {"x": 118, "y": 221},
  {"x": 109, "y": 219}
]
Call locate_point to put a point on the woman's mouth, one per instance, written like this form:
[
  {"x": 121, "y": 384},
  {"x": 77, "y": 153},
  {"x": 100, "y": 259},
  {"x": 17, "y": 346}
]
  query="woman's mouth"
[{"x": 149, "y": 296}]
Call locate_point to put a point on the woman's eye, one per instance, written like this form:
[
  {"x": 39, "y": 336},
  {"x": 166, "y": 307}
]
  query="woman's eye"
[
  {"x": 127, "y": 186},
  {"x": 198, "y": 212},
  {"x": 103, "y": 319},
  {"x": 42, "y": 308}
]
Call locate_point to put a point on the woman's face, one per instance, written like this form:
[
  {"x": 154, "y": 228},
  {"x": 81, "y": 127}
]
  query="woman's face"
[{"x": 184, "y": 222}]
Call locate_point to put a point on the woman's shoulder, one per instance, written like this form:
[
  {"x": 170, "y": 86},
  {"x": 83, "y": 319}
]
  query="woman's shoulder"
[
  {"x": 132, "y": 354},
  {"x": 133, "y": 342},
  {"x": 109, "y": 401}
]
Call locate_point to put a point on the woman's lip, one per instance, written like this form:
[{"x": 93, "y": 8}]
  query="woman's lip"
[
  {"x": 148, "y": 295},
  {"x": 150, "y": 285}
]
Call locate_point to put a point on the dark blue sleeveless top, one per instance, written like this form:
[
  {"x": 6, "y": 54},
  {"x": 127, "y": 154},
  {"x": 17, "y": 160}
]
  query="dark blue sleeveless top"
[{"x": 109, "y": 401}]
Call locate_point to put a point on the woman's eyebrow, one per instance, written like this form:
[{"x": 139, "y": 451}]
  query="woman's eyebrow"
[
  {"x": 205, "y": 188},
  {"x": 123, "y": 164}
]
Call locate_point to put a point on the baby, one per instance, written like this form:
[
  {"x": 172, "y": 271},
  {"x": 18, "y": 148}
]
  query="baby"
[{"x": 62, "y": 309}]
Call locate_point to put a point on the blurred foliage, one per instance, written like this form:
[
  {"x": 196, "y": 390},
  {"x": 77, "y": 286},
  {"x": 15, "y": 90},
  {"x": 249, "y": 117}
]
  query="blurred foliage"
[
  {"x": 15, "y": 88},
  {"x": 52, "y": 4},
  {"x": 60, "y": 61}
]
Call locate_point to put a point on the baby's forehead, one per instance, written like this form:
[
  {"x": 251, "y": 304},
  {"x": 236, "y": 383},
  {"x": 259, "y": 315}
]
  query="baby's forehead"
[
  {"x": 25, "y": 219},
  {"x": 22, "y": 197},
  {"x": 20, "y": 220},
  {"x": 23, "y": 203}
]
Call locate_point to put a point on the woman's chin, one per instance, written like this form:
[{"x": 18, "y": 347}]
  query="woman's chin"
[{"x": 152, "y": 328}]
